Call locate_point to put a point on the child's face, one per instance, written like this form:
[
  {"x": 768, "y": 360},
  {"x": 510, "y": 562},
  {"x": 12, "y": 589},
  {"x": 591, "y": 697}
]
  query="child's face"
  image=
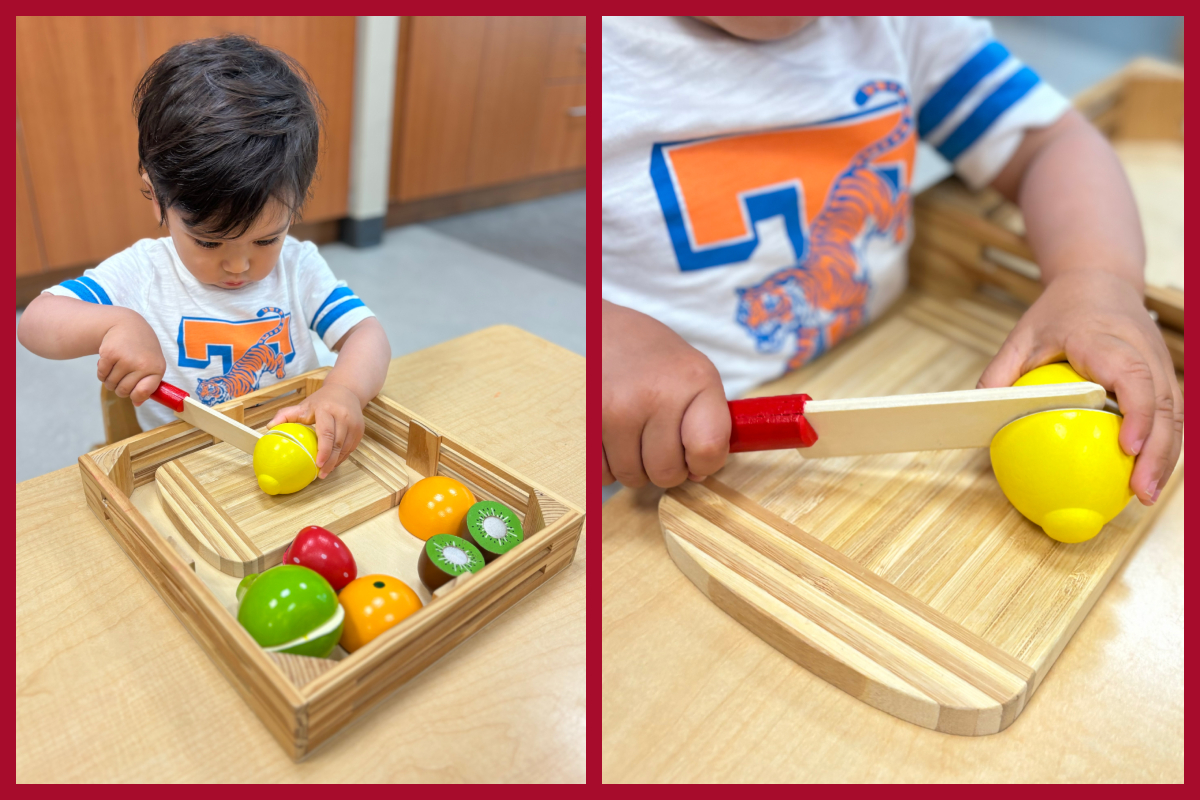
[
  {"x": 758, "y": 29},
  {"x": 230, "y": 263}
]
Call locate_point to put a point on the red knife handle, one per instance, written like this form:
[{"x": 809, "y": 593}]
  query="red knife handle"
[
  {"x": 770, "y": 423},
  {"x": 170, "y": 396}
]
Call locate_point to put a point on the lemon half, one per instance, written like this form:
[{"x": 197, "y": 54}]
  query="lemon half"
[
  {"x": 1063, "y": 469},
  {"x": 285, "y": 458}
]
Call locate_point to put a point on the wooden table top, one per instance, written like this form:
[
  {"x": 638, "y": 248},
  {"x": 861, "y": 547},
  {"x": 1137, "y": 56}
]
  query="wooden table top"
[
  {"x": 691, "y": 695},
  {"x": 111, "y": 688}
]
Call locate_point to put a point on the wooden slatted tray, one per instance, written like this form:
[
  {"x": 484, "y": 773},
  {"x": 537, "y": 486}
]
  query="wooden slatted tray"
[
  {"x": 213, "y": 498},
  {"x": 304, "y": 701},
  {"x": 907, "y": 580}
]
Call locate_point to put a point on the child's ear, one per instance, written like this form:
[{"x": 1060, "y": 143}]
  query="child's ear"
[{"x": 149, "y": 192}]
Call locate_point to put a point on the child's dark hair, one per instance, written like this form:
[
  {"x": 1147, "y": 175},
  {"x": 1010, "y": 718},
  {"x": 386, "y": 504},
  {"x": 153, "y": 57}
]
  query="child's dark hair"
[{"x": 224, "y": 125}]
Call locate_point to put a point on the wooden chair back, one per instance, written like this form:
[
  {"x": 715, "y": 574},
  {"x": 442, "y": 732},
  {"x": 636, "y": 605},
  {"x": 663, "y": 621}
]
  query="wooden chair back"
[{"x": 120, "y": 418}]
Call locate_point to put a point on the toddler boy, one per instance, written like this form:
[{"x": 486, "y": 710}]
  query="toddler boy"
[
  {"x": 227, "y": 145},
  {"x": 756, "y": 212}
]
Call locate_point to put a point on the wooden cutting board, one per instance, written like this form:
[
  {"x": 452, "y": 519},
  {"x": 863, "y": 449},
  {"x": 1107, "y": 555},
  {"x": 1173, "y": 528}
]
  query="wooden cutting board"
[
  {"x": 213, "y": 498},
  {"x": 907, "y": 580}
]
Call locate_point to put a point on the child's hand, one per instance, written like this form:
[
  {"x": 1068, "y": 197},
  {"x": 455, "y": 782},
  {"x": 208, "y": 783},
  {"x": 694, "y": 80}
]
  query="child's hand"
[
  {"x": 665, "y": 415},
  {"x": 131, "y": 360},
  {"x": 1096, "y": 319},
  {"x": 337, "y": 414}
]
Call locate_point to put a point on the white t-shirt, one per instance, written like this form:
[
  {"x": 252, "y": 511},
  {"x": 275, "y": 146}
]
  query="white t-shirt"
[
  {"x": 755, "y": 194},
  {"x": 221, "y": 343}
]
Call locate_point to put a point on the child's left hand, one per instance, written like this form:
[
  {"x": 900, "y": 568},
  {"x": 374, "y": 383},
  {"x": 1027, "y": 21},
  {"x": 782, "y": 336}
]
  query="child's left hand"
[
  {"x": 1096, "y": 320},
  {"x": 336, "y": 412}
]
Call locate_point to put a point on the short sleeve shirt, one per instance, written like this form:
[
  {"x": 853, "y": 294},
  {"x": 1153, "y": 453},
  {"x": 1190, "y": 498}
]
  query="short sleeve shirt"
[
  {"x": 221, "y": 343},
  {"x": 756, "y": 194}
]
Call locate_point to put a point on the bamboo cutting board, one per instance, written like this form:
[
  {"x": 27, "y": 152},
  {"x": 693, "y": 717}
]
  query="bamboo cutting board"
[
  {"x": 213, "y": 499},
  {"x": 907, "y": 580}
]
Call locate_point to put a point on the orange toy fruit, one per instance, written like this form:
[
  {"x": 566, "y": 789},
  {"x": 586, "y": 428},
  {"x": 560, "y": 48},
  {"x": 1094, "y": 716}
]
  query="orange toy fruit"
[
  {"x": 435, "y": 505},
  {"x": 374, "y": 603}
]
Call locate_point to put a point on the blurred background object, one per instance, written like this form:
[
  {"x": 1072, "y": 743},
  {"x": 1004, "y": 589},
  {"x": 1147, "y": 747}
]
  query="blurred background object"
[{"x": 449, "y": 193}]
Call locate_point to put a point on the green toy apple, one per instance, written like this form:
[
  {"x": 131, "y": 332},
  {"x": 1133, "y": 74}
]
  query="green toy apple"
[{"x": 290, "y": 609}]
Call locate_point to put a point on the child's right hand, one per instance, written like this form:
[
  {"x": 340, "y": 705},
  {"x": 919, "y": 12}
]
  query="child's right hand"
[
  {"x": 665, "y": 414},
  {"x": 131, "y": 360}
]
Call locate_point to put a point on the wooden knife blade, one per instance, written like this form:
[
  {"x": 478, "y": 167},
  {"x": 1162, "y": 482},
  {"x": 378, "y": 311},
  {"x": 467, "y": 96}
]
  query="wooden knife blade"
[
  {"x": 897, "y": 423},
  {"x": 206, "y": 419}
]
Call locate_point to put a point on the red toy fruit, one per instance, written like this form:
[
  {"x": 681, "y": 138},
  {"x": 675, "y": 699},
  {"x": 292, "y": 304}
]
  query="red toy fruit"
[{"x": 324, "y": 553}]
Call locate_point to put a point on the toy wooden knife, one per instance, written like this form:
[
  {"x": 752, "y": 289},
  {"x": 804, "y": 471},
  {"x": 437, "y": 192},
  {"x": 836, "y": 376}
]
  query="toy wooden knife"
[
  {"x": 204, "y": 418},
  {"x": 895, "y": 424}
]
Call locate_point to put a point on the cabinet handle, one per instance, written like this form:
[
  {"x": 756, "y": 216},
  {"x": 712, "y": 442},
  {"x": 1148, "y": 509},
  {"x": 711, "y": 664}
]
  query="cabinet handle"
[
  {"x": 583, "y": 48},
  {"x": 576, "y": 111}
]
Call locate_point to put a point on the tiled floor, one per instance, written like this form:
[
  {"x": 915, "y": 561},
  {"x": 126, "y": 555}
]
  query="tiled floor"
[{"x": 520, "y": 264}]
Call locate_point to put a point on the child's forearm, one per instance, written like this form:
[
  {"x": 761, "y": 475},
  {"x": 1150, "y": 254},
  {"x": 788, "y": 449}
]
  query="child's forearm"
[
  {"x": 59, "y": 327},
  {"x": 363, "y": 358},
  {"x": 1079, "y": 211}
]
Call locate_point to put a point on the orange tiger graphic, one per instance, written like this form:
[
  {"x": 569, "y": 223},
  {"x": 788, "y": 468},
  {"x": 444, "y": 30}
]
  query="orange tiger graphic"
[
  {"x": 244, "y": 375},
  {"x": 821, "y": 299}
]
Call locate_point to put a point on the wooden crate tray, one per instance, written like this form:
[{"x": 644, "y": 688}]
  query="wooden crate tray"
[
  {"x": 907, "y": 580},
  {"x": 965, "y": 239},
  {"x": 305, "y": 701},
  {"x": 213, "y": 499}
]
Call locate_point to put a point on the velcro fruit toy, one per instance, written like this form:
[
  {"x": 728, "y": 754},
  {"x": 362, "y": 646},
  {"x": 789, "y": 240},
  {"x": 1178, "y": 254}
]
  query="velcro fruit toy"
[
  {"x": 374, "y": 603},
  {"x": 285, "y": 458},
  {"x": 435, "y": 505},
  {"x": 492, "y": 527},
  {"x": 291, "y": 609},
  {"x": 324, "y": 553},
  {"x": 1063, "y": 469},
  {"x": 445, "y": 557}
]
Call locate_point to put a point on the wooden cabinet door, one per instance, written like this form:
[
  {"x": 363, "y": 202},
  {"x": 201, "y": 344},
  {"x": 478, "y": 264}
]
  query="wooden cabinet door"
[
  {"x": 29, "y": 259},
  {"x": 74, "y": 79},
  {"x": 515, "y": 64},
  {"x": 567, "y": 53},
  {"x": 324, "y": 46},
  {"x": 163, "y": 33},
  {"x": 440, "y": 77},
  {"x": 559, "y": 141}
]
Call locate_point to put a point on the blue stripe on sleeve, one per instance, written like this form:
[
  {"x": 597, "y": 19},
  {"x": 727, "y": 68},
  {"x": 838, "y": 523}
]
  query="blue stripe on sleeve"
[
  {"x": 334, "y": 296},
  {"x": 96, "y": 288},
  {"x": 945, "y": 99},
  {"x": 987, "y": 112},
  {"x": 81, "y": 291},
  {"x": 336, "y": 312}
]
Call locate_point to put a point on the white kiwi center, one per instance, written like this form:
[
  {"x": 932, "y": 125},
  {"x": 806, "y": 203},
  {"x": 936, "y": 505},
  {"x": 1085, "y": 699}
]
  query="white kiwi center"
[
  {"x": 455, "y": 555},
  {"x": 495, "y": 528}
]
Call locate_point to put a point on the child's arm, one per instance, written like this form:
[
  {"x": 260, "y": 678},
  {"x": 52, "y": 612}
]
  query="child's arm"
[
  {"x": 665, "y": 416},
  {"x": 1082, "y": 224},
  {"x": 336, "y": 408},
  {"x": 131, "y": 361}
]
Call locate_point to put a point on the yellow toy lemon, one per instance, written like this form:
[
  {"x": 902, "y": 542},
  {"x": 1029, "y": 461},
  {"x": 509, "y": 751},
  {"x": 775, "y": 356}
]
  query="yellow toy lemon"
[
  {"x": 1063, "y": 469},
  {"x": 435, "y": 505},
  {"x": 1059, "y": 372},
  {"x": 285, "y": 458}
]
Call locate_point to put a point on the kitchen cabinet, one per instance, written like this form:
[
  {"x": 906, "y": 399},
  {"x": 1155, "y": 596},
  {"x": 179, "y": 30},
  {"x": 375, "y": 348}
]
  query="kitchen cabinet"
[
  {"x": 29, "y": 259},
  {"x": 486, "y": 102},
  {"x": 75, "y": 78}
]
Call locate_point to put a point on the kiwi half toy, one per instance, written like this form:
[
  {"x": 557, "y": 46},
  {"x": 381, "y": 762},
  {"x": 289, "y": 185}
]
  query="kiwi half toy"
[
  {"x": 493, "y": 528},
  {"x": 446, "y": 556}
]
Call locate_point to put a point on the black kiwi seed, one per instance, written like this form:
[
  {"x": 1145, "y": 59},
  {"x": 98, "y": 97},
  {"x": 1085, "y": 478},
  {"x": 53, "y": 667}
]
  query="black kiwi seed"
[
  {"x": 445, "y": 557},
  {"x": 493, "y": 527}
]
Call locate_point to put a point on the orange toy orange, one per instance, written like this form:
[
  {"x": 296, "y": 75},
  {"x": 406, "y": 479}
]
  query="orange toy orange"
[
  {"x": 374, "y": 603},
  {"x": 435, "y": 505}
]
